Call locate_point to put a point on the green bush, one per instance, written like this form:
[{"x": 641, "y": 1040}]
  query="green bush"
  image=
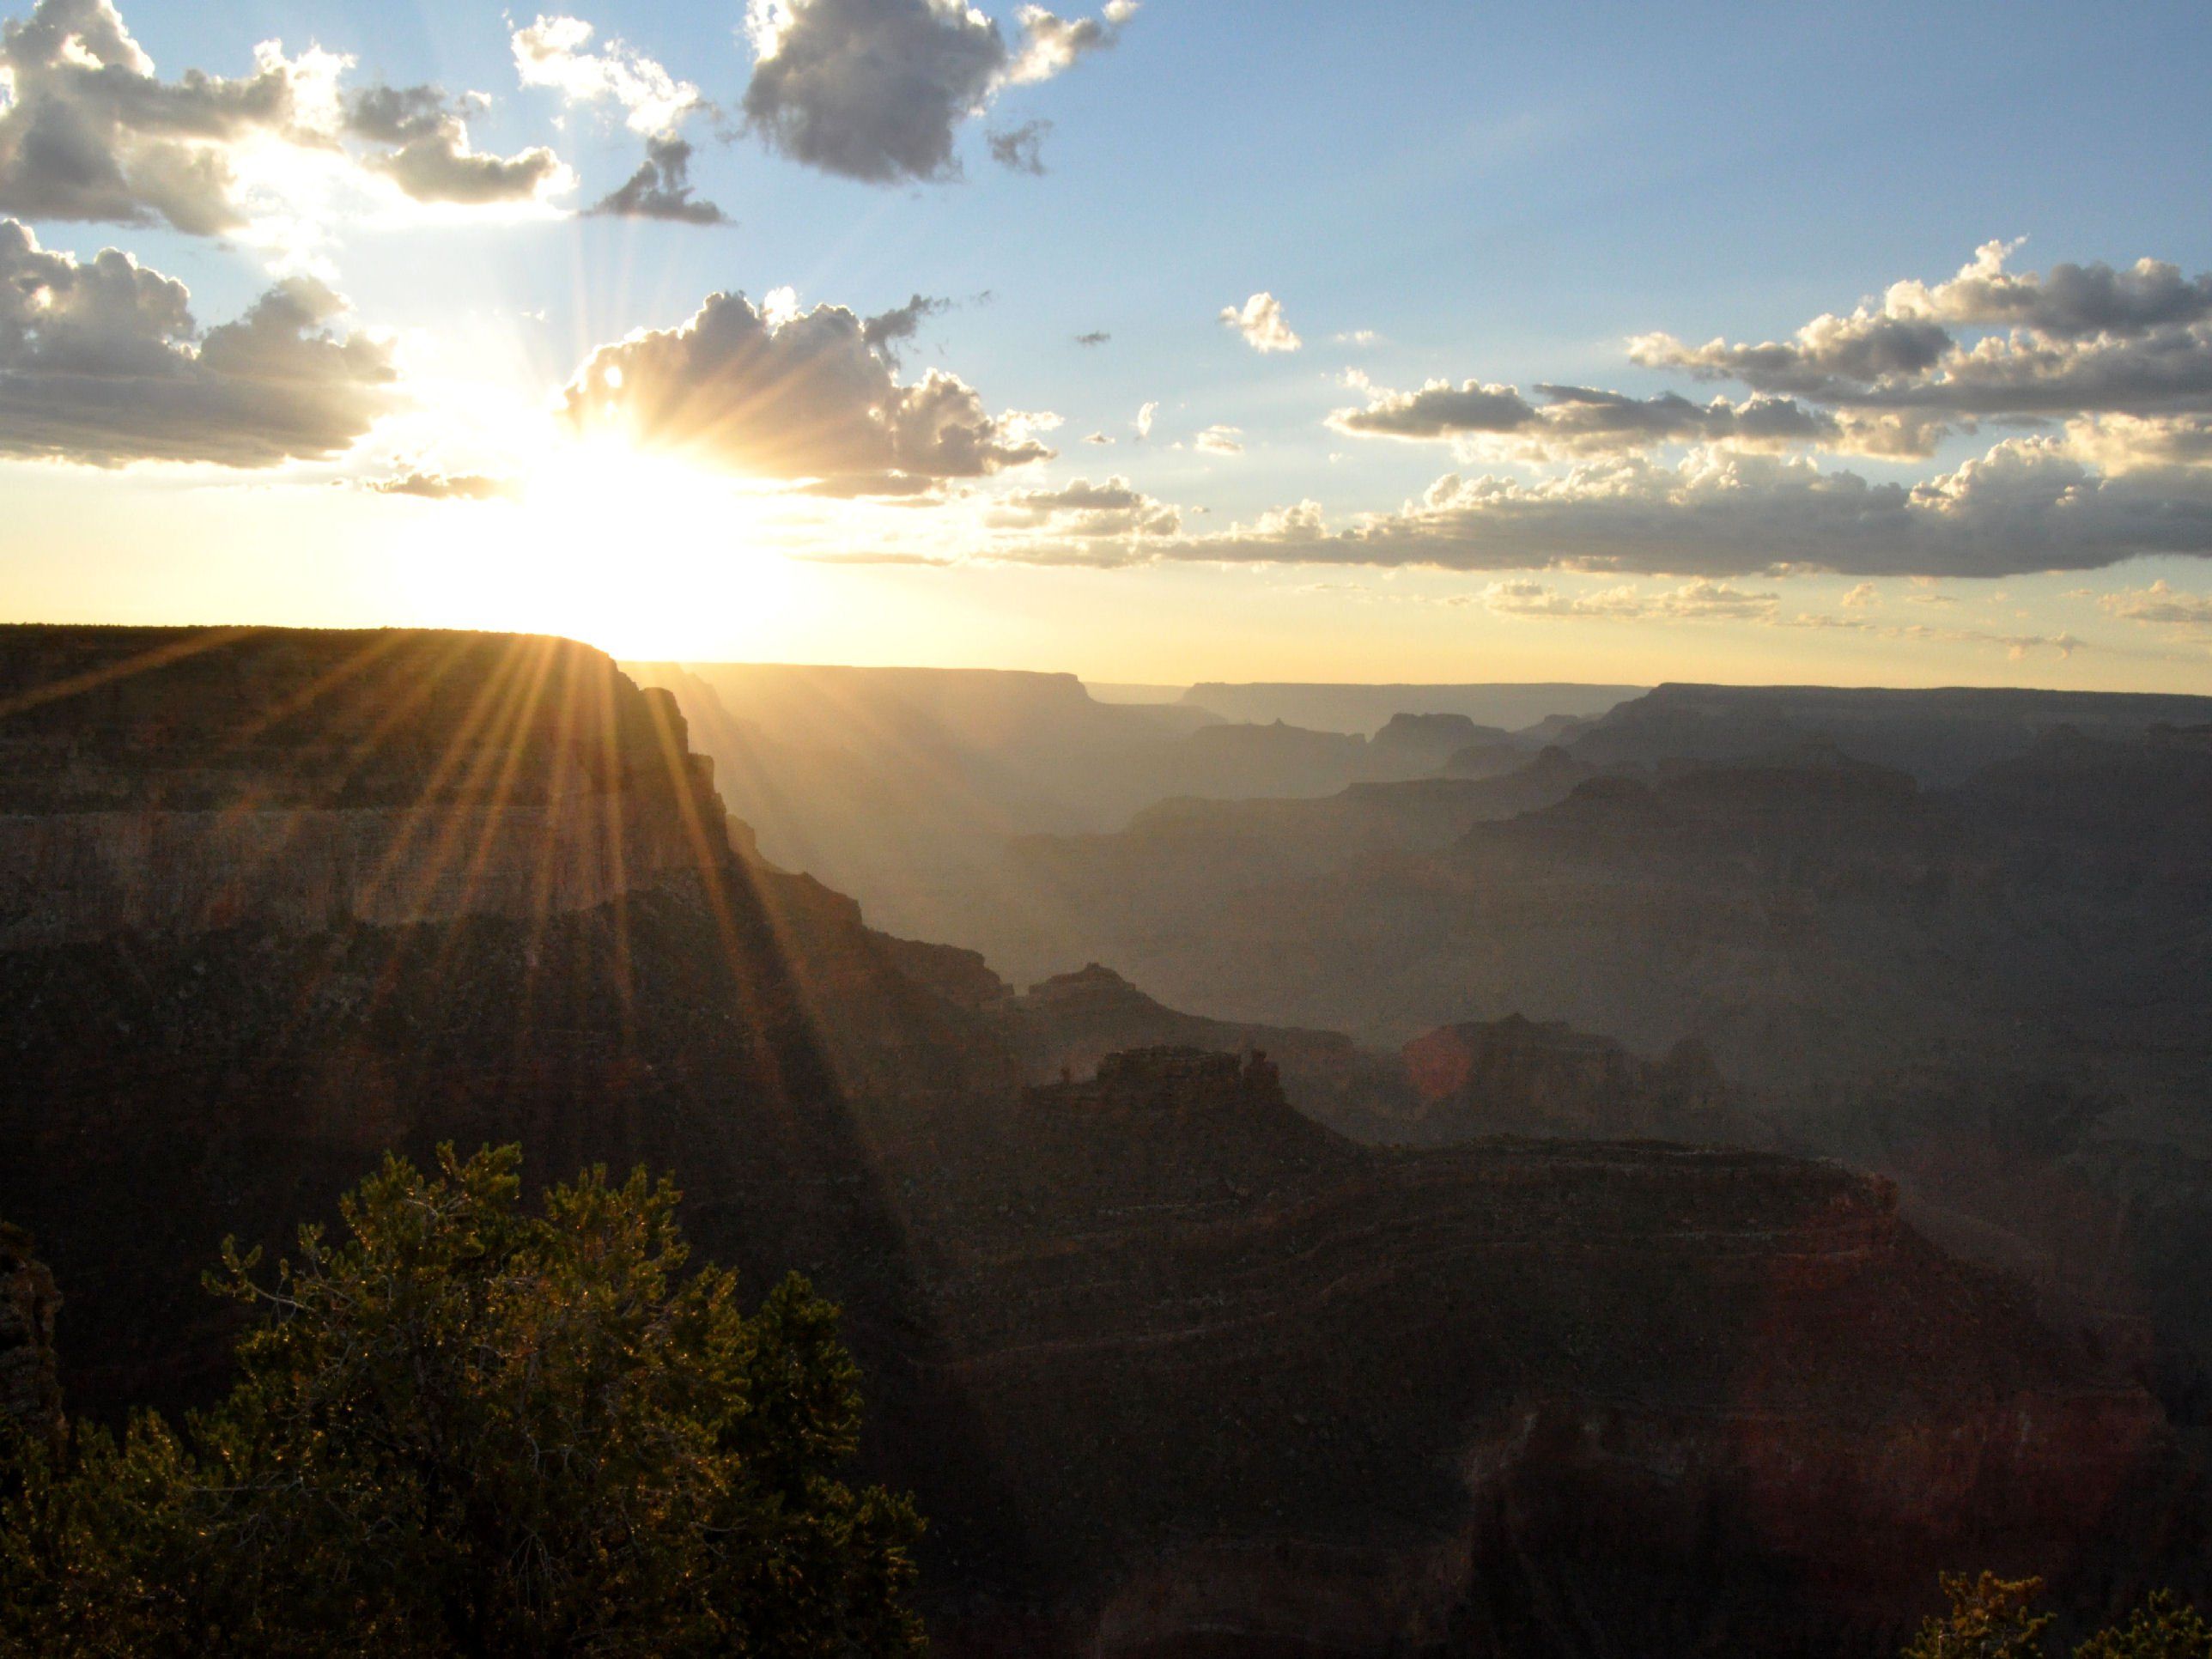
[{"x": 471, "y": 1430}]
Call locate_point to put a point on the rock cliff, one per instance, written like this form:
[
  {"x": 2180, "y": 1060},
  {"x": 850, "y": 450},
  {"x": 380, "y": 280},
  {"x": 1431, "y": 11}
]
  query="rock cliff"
[{"x": 165, "y": 783}]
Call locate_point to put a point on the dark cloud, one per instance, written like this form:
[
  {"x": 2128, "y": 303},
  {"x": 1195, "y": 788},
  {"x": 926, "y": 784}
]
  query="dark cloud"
[
  {"x": 661, "y": 189},
  {"x": 432, "y": 161},
  {"x": 1097, "y": 336},
  {"x": 877, "y": 89},
  {"x": 1020, "y": 150},
  {"x": 1575, "y": 420},
  {"x": 887, "y": 330},
  {"x": 791, "y": 396},
  {"x": 101, "y": 363}
]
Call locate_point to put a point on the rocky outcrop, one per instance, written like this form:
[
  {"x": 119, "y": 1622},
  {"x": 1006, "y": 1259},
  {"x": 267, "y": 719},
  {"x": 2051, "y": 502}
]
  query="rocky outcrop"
[
  {"x": 30, "y": 1386},
  {"x": 155, "y": 781},
  {"x": 1517, "y": 1076}
]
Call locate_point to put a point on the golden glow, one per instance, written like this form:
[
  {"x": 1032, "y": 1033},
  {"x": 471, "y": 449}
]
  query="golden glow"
[{"x": 644, "y": 556}]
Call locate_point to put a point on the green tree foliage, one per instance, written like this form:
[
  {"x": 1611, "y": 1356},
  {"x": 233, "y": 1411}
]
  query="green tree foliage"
[
  {"x": 1990, "y": 1618},
  {"x": 1993, "y": 1617},
  {"x": 2160, "y": 1629},
  {"x": 470, "y": 1429}
]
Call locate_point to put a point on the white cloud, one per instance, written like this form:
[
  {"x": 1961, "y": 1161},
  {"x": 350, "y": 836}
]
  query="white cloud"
[
  {"x": 1260, "y": 321},
  {"x": 1701, "y": 600},
  {"x": 1221, "y": 441},
  {"x": 556, "y": 52}
]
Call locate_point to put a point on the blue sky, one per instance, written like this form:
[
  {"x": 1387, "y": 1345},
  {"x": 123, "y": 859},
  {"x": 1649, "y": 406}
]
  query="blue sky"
[{"x": 1496, "y": 196}]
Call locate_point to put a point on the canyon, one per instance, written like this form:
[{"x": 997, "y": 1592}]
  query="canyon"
[{"x": 1174, "y": 1367}]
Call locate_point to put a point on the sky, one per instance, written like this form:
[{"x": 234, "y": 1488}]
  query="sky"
[{"x": 1159, "y": 342}]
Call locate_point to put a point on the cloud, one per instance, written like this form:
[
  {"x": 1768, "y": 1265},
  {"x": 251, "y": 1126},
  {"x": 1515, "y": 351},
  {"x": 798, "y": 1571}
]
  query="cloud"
[
  {"x": 89, "y": 133},
  {"x": 446, "y": 486},
  {"x": 1701, "y": 600},
  {"x": 774, "y": 393},
  {"x": 555, "y": 52},
  {"x": 1051, "y": 44},
  {"x": 2160, "y": 604},
  {"x": 1098, "y": 438},
  {"x": 660, "y": 189},
  {"x": 2072, "y": 302},
  {"x": 2018, "y": 647},
  {"x": 2109, "y": 368},
  {"x": 888, "y": 330},
  {"x": 2130, "y": 443},
  {"x": 1574, "y": 421},
  {"x": 1260, "y": 322},
  {"x": 1088, "y": 511},
  {"x": 1864, "y": 596},
  {"x": 1097, "y": 336},
  {"x": 877, "y": 89},
  {"x": 102, "y": 362},
  {"x": 2082, "y": 339},
  {"x": 433, "y": 160},
  {"x": 2025, "y": 505},
  {"x": 1221, "y": 441},
  {"x": 1020, "y": 150},
  {"x": 1144, "y": 421}
]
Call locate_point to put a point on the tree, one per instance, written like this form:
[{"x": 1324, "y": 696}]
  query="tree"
[
  {"x": 2160, "y": 1629},
  {"x": 1990, "y": 1618},
  {"x": 468, "y": 1430}
]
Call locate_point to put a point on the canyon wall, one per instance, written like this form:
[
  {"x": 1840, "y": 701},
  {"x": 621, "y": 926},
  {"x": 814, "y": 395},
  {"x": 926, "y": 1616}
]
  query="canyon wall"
[{"x": 173, "y": 786}]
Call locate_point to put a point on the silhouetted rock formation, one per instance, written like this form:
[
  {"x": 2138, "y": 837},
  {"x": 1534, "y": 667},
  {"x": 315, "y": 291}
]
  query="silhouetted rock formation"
[
  {"x": 1940, "y": 736},
  {"x": 1366, "y": 709},
  {"x": 1066, "y": 1026},
  {"x": 1516, "y": 1076}
]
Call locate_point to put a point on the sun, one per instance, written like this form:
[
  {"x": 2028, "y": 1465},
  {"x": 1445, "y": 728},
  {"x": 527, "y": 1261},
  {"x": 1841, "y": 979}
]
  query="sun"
[{"x": 646, "y": 557}]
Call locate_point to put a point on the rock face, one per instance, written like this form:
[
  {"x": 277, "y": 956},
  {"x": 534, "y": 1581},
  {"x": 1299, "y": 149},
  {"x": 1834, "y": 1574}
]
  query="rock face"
[
  {"x": 30, "y": 1387},
  {"x": 1517, "y": 1076},
  {"x": 1286, "y": 1395},
  {"x": 1173, "y": 1370},
  {"x": 157, "y": 784}
]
